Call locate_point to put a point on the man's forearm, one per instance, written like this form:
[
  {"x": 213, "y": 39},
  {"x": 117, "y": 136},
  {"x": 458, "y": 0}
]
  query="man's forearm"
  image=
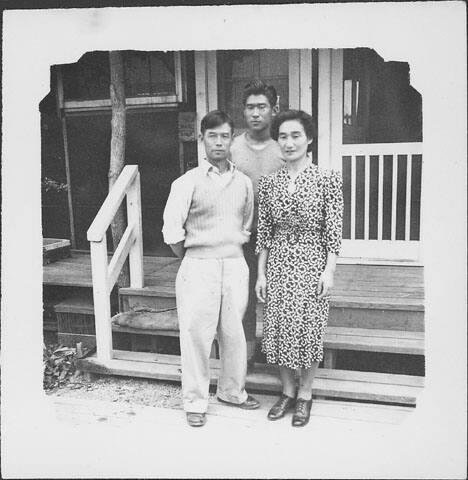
[{"x": 178, "y": 249}]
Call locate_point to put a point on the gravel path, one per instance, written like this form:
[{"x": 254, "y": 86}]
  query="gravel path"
[{"x": 122, "y": 389}]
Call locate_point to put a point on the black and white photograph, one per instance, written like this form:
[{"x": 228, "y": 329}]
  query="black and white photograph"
[{"x": 234, "y": 241}]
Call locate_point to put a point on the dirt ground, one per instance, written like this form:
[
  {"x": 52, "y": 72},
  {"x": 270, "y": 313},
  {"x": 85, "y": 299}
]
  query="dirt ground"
[{"x": 122, "y": 389}]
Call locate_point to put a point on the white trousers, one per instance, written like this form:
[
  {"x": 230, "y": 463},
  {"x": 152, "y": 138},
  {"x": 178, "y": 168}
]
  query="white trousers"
[{"x": 211, "y": 296}]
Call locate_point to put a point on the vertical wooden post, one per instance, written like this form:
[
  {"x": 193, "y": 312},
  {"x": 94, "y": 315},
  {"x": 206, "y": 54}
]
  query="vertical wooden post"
[
  {"x": 305, "y": 80},
  {"x": 330, "y": 108},
  {"x": 134, "y": 218},
  {"x": 212, "y": 80},
  {"x": 329, "y": 358},
  {"x": 336, "y": 107},
  {"x": 294, "y": 79},
  {"x": 117, "y": 150},
  {"x": 102, "y": 310},
  {"x": 206, "y": 88},
  {"x": 324, "y": 110},
  {"x": 61, "y": 114},
  {"x": 201, "y": 96}
]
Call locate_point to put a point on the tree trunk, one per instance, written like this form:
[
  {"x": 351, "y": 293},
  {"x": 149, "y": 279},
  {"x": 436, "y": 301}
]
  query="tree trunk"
[{"x": 117, "y": 150}]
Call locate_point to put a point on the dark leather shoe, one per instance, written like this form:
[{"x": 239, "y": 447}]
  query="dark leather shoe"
[
  {"x": 249, "y": 404},
  {"x": 302, "y": 412},
  {"x": 196, "y": 419},
  {"x": 279, "y": 409}
]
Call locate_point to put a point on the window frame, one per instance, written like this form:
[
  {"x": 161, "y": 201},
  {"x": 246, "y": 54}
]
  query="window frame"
[{"x": 153, "y": 101}]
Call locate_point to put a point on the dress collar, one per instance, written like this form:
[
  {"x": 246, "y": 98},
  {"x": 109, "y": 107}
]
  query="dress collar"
[{"x": 307, "y": 165}]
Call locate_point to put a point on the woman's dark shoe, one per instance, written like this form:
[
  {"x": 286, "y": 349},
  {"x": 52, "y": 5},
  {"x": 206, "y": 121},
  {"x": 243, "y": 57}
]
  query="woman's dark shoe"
[
  {"x": 302, "y": 413},
  {"x": 279, "y": 409}
]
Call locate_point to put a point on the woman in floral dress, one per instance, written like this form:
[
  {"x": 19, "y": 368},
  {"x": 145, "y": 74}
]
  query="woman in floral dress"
[{"x": 299, "y": 238}]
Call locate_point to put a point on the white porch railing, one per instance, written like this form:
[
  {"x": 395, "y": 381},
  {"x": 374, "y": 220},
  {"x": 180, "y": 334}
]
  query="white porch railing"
[
  {"x": 382, "y": 194},
  {"x": 105, "y": 273}
]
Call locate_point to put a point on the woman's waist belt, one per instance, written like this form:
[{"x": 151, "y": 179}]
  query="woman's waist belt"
[{"x": 293, "y": 236}]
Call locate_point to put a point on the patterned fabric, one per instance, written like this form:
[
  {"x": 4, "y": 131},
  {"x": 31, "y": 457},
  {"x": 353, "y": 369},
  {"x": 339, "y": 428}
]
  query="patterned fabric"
[{"x": 299, "y": 229}]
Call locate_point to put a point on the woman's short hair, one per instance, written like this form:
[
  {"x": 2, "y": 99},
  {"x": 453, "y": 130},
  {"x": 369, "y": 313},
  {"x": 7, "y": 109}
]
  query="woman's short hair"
[
  {"x": 302, "y": 117},
  {"x": 259, "y": 87},
  {"x": 215, "y": 119}
]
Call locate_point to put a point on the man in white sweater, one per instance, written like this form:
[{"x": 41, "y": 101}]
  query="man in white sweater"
[
  {"x": 256, "y": 154},
  {"x": 207, "y": 219}
]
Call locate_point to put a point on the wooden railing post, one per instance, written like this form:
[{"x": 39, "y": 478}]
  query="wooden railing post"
[
  {"x": 105, "y": 274},
  {"x": 102, "y": 310},
  {"x": 134, "y": 218}
]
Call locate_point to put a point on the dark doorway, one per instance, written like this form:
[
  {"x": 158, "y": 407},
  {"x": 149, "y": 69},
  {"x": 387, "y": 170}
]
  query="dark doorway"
[{"x": 151, "y": 143}]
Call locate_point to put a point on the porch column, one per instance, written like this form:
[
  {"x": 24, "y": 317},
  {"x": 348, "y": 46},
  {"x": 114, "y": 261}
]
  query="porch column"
[
  {"x": 61, "y": 115},
  {"x": 300, "y": 80},
  {"x": 330, "y": 108},
  {"x": 206, "y": 87}
]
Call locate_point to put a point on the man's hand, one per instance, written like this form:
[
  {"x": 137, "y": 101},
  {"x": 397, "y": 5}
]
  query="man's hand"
[
  {"x": 178, "y": 249},
  {"x": 325, "y": 283},
  {"x": 260, "y": 288}
]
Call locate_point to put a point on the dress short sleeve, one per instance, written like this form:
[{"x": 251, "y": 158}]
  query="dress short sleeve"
[
  {"x": 265, "y": 221},
  {"x": 333, "y": 198}
]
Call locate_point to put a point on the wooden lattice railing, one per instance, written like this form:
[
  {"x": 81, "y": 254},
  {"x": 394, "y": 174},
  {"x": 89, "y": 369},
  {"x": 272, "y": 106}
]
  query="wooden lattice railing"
[{"x": 382, "y": 197}]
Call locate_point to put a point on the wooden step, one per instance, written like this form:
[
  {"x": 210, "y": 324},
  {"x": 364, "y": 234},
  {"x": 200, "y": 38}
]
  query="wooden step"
[
  {"x": 336, "y": 338},
  {"x": 353, "y": 315},
  {"x": 147, "y": 323},
  {"x": 373, "y": 340},
  {"x": 54, "y": 249},
  {"x": 165, "y": 323},
  {"x": 150, "y": 298},
  {"x": 382, "y": 300},
  {"x": 342, "y": 384}
]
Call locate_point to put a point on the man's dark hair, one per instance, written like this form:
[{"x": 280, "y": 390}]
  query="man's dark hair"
[
  {"x": 259, "y": 87},
  {"x": 302, "y": 117},
  {"x": 215, "y": 119}
]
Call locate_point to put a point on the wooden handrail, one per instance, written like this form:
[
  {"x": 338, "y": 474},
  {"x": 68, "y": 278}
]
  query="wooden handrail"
[
  {"x": 105, "y": 274},
  {"x": 119, "y": 257},
  {"x": 106, "y": 213}
]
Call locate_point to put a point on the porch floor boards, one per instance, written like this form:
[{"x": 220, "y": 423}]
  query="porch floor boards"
[{"x": 359, "y": 286}]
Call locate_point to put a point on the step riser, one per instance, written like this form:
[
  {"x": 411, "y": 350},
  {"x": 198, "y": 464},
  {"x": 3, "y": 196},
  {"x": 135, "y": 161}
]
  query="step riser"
[
  {"x": 408, "y": 320},
  {"x": 132, "y": 302},
  {"x": 411, "y": 321}
]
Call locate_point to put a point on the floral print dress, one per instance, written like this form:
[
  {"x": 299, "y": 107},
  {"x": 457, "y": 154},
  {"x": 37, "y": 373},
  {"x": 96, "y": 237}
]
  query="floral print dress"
[{"x": 299, "y": 227}]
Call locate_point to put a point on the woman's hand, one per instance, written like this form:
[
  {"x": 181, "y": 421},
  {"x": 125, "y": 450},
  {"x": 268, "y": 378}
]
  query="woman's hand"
[
  {"x": 325, "y": 283},
  {"x": 260, "y": 288}
]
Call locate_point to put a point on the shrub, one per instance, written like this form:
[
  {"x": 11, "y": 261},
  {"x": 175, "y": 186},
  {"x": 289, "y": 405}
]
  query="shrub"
[{"x": 59, "y": 365}]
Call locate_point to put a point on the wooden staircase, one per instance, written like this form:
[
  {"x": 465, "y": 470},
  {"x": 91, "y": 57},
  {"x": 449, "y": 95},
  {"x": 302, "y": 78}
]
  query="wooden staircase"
[
  {"x": 374, "y": 308},
  {"x": 376, "y": 320}
]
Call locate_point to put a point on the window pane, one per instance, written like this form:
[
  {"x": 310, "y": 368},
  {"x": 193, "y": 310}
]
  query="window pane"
[
  {"x": 149, "y": 73},
  {"x": 146, "y": 74},
  {"x": 87, "y": 79}
]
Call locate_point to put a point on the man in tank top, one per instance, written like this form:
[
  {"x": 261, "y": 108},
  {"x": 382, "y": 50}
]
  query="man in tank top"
[
  {"x": 256, "y": 154},
  {"x": 207, "y": 220}
]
